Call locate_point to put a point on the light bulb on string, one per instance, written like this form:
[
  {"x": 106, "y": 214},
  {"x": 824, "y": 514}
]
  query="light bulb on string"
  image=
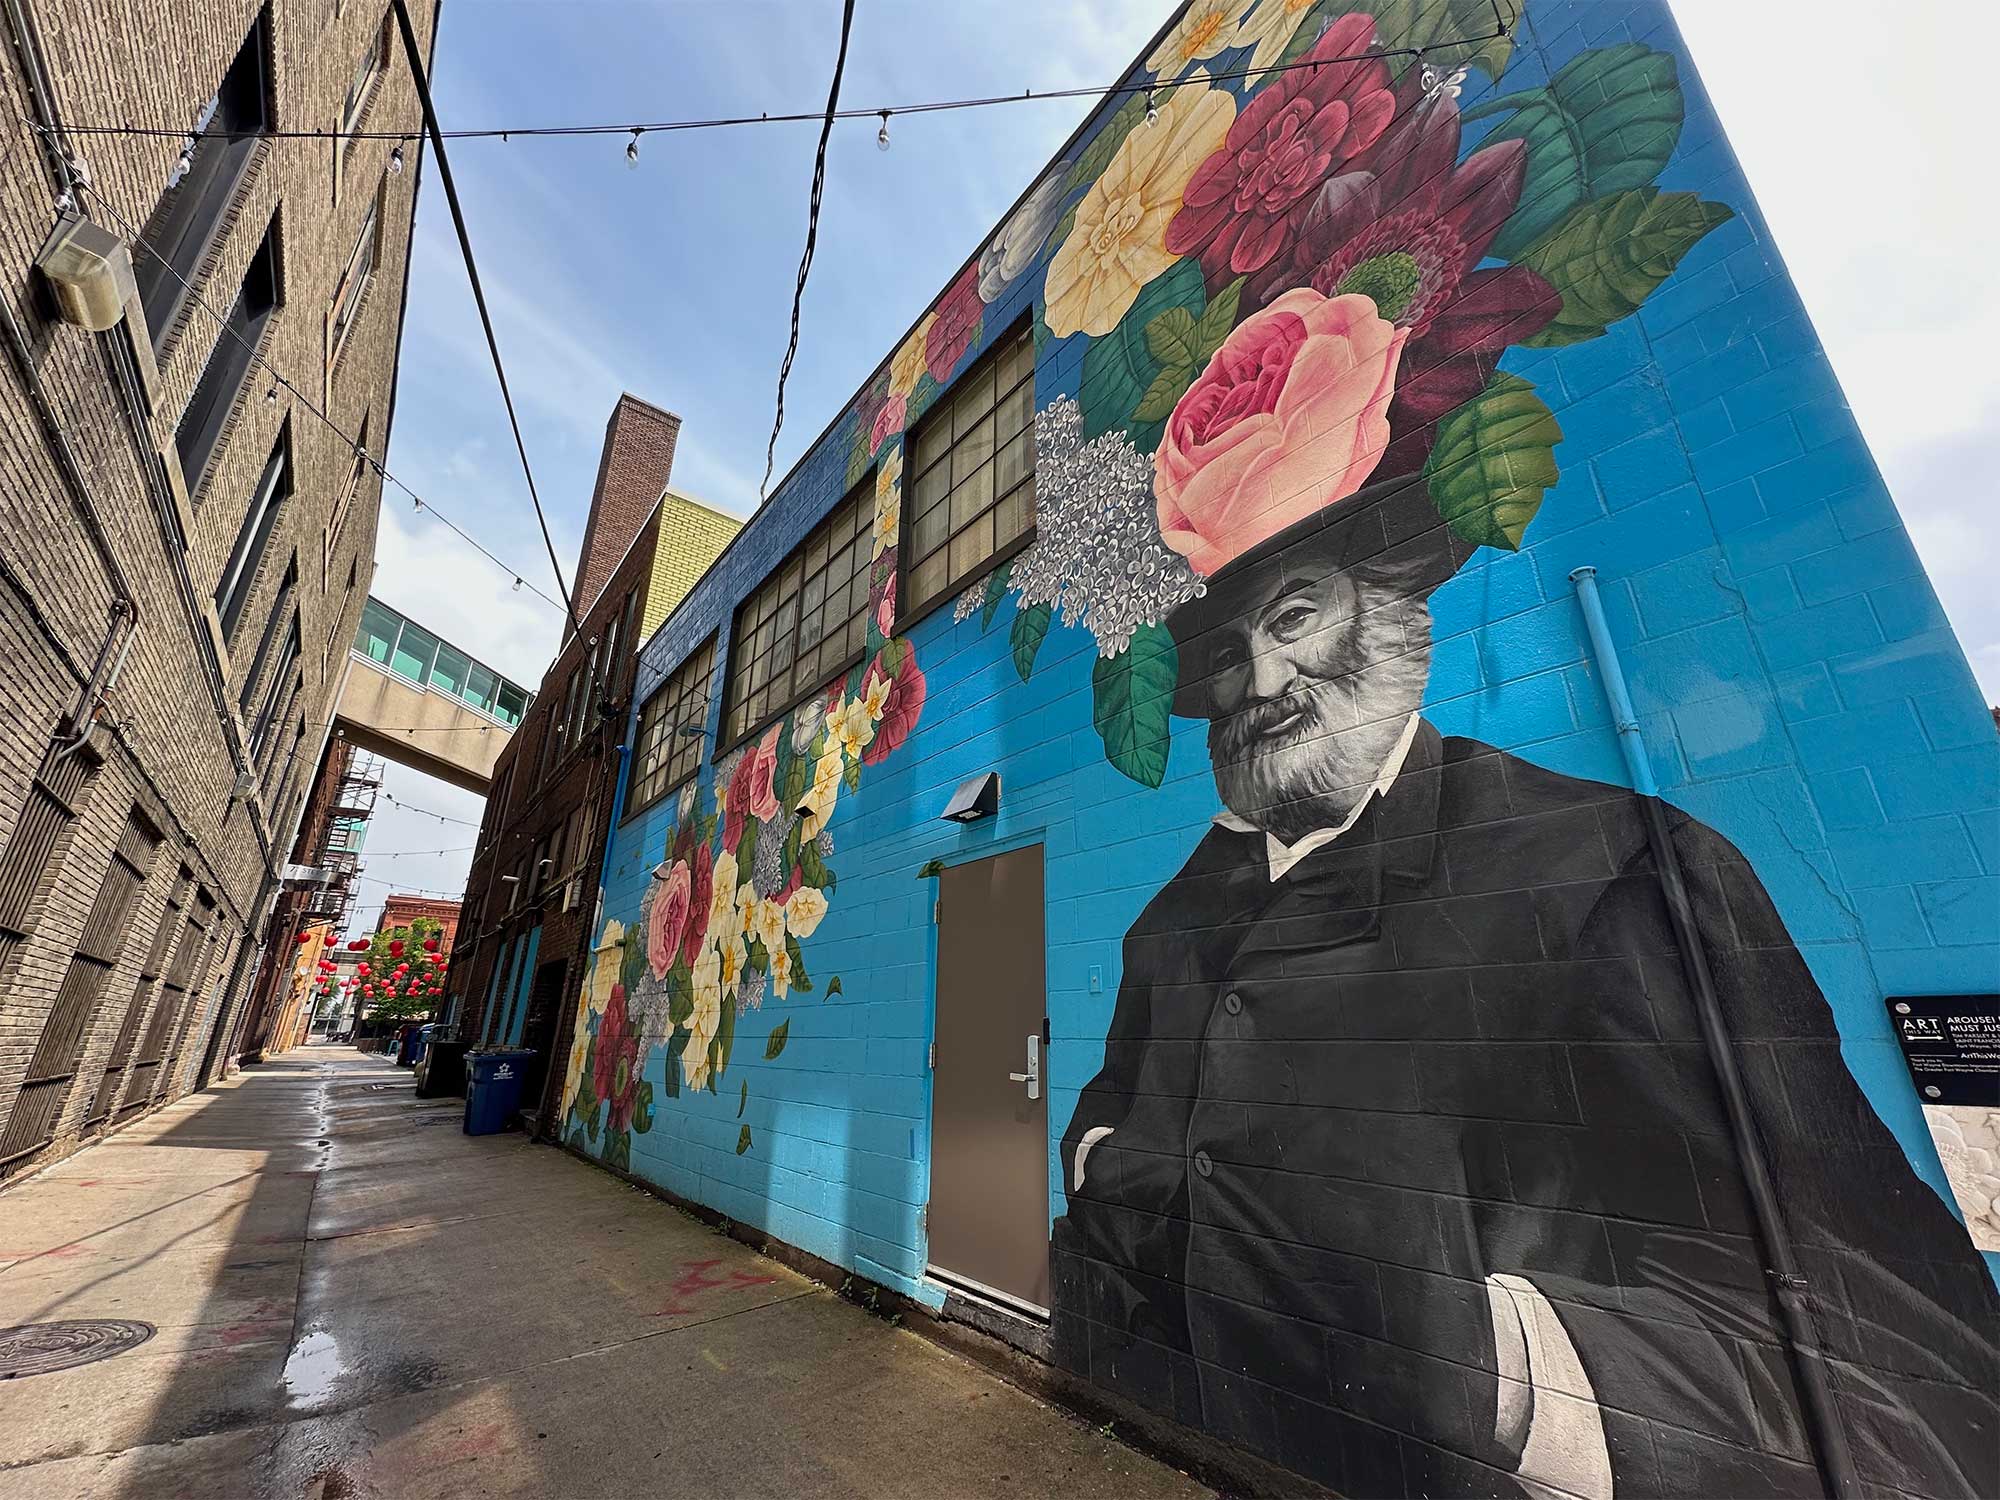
[
  {"x": 882, "y": 135},
  {"x": 271, "y": 396},
  {"x": 396, "y": 162},
  {"x": 632, "y": 150},
  {"x": 1152, "y": 108},
  {"x": 517, "y": 585},
  {"x": 1427, "y": 75}
]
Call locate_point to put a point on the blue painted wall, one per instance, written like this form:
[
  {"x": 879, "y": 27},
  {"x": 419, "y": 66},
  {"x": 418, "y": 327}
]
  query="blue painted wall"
[{"x": 1798, "y": 688}]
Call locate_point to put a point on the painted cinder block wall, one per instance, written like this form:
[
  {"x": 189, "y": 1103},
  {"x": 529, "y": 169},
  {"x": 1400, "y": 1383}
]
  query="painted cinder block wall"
[{"x": 1796, "y": 684}]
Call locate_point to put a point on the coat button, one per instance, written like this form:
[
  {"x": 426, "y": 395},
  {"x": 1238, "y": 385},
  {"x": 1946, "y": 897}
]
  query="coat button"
[
  {"x": 1233, "y": 1003},
  {"x": 1202, "y": 1164}
]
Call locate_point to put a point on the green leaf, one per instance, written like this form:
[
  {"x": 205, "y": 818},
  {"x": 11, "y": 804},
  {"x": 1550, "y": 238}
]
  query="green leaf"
[
  {"x": 1134, "y": 699},
  {"x": 680, "y": 993},
  {"x": 1608, "y": 256},
  {"x": 742, "y": 1140},
  {"x": 1453, "y": 33},
  {"x": 1167, "y": 388},
  {"x": 833, "y": 987},
  {"x": 746, "y": 847},
  {"x": 996, "y": 590},
  {"x": 1171, "y": 337},
  {"x": 1103, "y": 146},
  {"x": 1217, "y": 321},
  {"x": 756, "y": 956},
  {"x": 618, "y": 1150},
  {"x": 642, "y": 1108},
  {"x": 1494, "y": 457},
  {"x": 676, "y": 1045},
  {"x": 1119, "y": 368},
  {"x": 775, "y": 1042},
  {"x": 742, "y": 1098},
  {"x": 1031, "y": 625},
  {"x": 795, "y": 782},
  {"x": 800, "y": 979},
  {"x": 631, "y": 959},
  {"x": 1606, "y": 122},
  {"x": 850, "y": 776},
  {"x": 812, "y": 869}
]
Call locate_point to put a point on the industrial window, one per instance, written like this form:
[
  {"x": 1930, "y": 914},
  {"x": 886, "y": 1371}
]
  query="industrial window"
[
  {"x": 52, "y": 1067},
  {"x": 199, "y": 431},
  {"x": 344, "y": 502},
  {"x": 586, "y": 708},
  {"x": 54, "y": 798},
  {"x": 181, "y": 978},
  {"x": 368, "y": 68},
  {"x": 135, "y": 1009},
  {"x": 354, "y": 281},
  {"x": 807, "y": 622},
  {"x": 969, "y": 481},
  {"x": 672, "y": 726},
  {"x": 194, "y": 211},
  {"x": 232, "y": 590},
  {"x": 274, "y": 624},
  {"x": 283, "y": 679}
]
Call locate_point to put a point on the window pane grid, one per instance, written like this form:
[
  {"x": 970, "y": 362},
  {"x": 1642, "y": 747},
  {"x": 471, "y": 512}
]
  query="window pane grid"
[
  {"x": 972, "y": 492},
  {"x": 667, "y": 757},
  {"x": 805, "y": 621}
]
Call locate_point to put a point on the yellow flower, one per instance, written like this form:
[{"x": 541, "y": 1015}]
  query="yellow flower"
[
  {"x": 1207, "y": 28},
  {"x": 746, "y": 908},
  {"x": 906, "y": 368},
  {"x": 722, "y": 896},
  {"x": 781, "y": 972},
  {"x": 804, "y": 910},
  {"x": 596, "y": 996},
  {"x": 1269, "y": 27},
  {"x": 729, "y": 961},
  {"x": 769, "y": 925},
  {"x": 704, "y": 1020},
  {"x": 851, "y": 727},
  {"x": 876, "y": 699},
  {"x": 825, "y": 788},
  {"x": 1118, "y": 242},
  {"x": 889, "y": 500}
]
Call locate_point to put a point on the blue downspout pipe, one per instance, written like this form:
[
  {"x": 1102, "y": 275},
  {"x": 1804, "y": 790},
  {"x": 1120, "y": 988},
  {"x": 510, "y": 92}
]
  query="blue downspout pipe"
[{"x": 1788, "y": 1282}]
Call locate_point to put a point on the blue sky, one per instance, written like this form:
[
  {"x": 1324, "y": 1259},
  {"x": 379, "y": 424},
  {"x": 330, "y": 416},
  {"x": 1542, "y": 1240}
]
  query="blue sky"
[{"x": 673, "y": 280}]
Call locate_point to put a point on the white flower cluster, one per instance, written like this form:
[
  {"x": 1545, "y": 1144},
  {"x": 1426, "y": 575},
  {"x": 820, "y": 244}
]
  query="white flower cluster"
[
  {"x": 1098, "y": 557},
  {"x": 969, "y": 601}
]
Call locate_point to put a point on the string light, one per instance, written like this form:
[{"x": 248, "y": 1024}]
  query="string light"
[
  {"x": 1152, "y": 108},
  {"x": 396, "y": 162},
  {"x": 271, "y": 396},
  {"x": 882, "y": 135},
  {"x": 632, "y": 150}
]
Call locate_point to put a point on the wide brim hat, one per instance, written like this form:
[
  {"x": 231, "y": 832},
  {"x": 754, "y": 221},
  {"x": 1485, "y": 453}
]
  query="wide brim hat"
[{"x": 1393, "y": 527}]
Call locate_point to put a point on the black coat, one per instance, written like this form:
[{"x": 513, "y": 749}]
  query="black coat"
[{"x": 1458, "y": 1043}]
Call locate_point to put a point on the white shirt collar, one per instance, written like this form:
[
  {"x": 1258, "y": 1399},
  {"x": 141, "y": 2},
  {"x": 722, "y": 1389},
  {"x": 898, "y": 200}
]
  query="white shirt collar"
[{"x": 1283, "y": 856}]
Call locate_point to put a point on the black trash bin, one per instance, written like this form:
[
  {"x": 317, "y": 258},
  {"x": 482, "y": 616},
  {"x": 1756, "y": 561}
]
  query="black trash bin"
[{"x": 442, "y": 1072}]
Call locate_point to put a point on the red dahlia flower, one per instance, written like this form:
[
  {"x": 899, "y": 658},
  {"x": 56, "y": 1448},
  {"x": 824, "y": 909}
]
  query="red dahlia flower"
[
  {"x": 1239, "y": 211},
  {"x": 1405, "y": 227},
  {"x": 615, "y": 1079}
]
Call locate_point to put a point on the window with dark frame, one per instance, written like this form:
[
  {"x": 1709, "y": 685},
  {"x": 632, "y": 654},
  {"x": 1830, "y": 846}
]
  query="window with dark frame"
[
  {"x": 253, "y": 535},
  {"x": 354, "y": 280},
  {"x": 195, "y": 207},
  {"x": 274, "y": 622},
  {"x": 807, "y": 622},
  {"x": 672, "y": 726},
  {"x": 344, "y": 502},
  {"x": 199, "y": 432},
  {"x": 369, "y": 67},
  {"x": 969, "y": 474}
]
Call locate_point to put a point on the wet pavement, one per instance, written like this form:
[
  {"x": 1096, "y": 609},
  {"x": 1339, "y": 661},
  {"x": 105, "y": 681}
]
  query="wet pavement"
[{"x": 348, "y": 1297}]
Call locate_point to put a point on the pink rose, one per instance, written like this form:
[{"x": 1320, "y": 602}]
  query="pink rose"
[
  {"x": 668, "y": 919},
  {"x": 888, "y": 421},
  {"x": 957, "y": 324},
  {"x": 885, "y": 609},
  {"x": 1290, "y": 416}
]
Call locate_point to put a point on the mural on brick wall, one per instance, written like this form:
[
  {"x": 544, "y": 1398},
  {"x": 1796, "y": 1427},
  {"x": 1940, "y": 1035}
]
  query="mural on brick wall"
[
  {"x": 1406, "y": 1166},
  {"x": 744, "y": 879}
]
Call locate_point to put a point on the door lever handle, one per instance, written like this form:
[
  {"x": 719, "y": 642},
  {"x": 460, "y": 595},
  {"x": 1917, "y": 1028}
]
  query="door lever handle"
[{"x": 1033, "y": 1077}]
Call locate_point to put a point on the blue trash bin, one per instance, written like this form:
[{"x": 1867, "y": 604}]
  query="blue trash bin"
[
  {"x": 493, "y": 1089},
  {"x": 421, "y": 1044}
]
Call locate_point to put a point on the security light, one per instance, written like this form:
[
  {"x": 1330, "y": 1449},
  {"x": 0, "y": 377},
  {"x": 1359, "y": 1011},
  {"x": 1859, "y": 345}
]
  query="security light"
[{"x": 977, "y": 797}]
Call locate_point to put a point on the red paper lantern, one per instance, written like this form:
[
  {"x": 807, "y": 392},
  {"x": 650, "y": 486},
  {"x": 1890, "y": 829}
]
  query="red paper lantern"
[
  {"x": 368, "y": 990},
  {"x": 396, "y": 948},
  {"x": 431, "y": 945},
  {"x": 304, "y": 938},
  {"x": 361, "y": 968},
  {"x": 359, "y": 945}
]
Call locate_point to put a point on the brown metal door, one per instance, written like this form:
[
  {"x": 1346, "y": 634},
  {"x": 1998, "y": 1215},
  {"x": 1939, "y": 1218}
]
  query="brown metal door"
[{"x": 989, "y": 1208}]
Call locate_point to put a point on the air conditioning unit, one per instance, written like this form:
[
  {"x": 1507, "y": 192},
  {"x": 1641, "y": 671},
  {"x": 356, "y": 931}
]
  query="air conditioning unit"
[{"x": 89, "y": 270}]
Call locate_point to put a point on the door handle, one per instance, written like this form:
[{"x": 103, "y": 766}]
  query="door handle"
[{"x": 1033, "y": 1077}]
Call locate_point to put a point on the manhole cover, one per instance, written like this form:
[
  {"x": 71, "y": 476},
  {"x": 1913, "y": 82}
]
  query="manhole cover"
[{"x": 42, "y": 1348}]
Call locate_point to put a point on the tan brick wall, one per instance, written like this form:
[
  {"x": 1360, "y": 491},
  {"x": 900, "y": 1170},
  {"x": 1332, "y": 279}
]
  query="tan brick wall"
[
  {"x": 691, "y": 537},
  {"x": 164, "y": 743}
]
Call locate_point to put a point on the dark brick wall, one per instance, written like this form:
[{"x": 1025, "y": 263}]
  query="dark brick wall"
[{"x": 638, "y": 457}]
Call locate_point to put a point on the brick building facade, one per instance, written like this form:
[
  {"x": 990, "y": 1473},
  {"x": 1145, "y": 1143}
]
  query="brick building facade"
[
  {"x": 399, "y": 910},
  {"x": 532, "y": 890},
  {"x": 184, "y": 546}
]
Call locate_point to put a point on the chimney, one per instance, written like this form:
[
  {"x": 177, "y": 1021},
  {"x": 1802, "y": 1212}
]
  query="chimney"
[{"x": 637, "y": 461}]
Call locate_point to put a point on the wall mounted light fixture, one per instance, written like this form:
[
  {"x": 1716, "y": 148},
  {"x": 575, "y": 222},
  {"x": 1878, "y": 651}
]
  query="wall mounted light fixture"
[{"x": 977, "y": 797}]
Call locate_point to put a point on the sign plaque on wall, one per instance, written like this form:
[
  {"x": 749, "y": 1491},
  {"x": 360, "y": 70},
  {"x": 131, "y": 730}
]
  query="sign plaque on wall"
[{"x": 1952, "y": 1046}]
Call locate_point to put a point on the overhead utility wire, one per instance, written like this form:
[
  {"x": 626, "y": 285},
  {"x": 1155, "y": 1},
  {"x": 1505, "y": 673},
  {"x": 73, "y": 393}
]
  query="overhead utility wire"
[
  {"x": 1502, "y": 30},
  {"x": 418, "y": 74},
  {"x": 812, "y": 235},
  {"x": 257, "y": 355}
]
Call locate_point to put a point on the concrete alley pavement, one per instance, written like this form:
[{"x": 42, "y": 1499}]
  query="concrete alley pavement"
[{"x": 351, "y": 1298}]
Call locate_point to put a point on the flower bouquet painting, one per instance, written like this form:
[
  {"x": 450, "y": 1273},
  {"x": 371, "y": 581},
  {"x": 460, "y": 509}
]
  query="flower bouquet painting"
[{"x": 1298, "y": 273}]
